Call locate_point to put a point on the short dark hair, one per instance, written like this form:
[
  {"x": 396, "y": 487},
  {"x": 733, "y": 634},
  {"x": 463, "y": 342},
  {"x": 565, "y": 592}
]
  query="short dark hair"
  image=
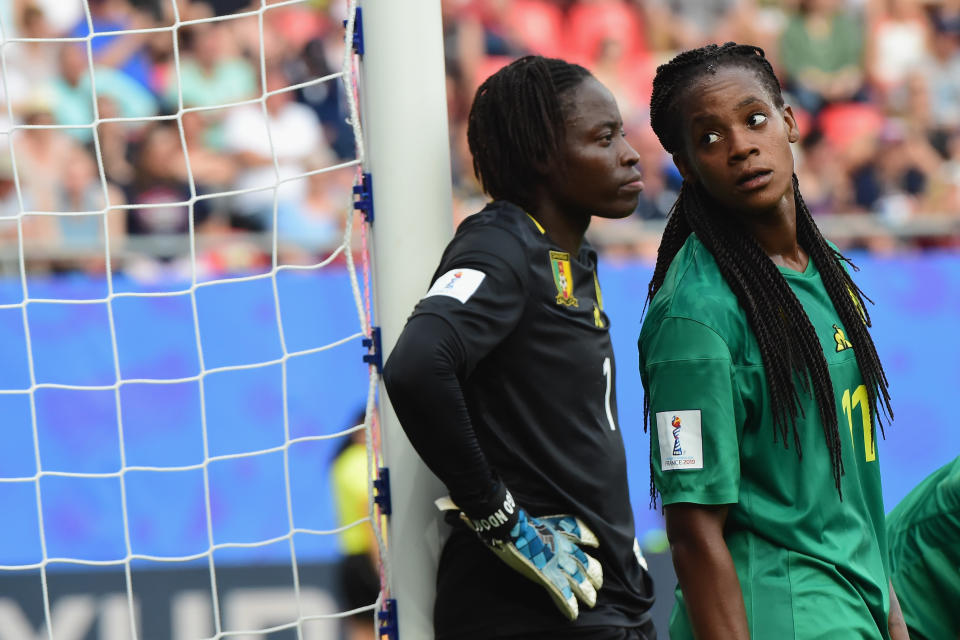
[{"x": 516, "y": 124}]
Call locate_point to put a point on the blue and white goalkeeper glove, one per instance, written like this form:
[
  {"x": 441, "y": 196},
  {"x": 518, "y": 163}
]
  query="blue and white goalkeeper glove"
[{"x": 545, "y": 549}]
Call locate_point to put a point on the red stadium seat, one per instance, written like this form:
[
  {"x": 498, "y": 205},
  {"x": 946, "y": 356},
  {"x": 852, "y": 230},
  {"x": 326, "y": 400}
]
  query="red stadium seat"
[
  {"x": 538, "y": 25},
  {"x": 591, "y": 23}
]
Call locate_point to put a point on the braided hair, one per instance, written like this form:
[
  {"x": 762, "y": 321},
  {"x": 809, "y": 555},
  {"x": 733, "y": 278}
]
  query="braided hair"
[
  {"x": 516, "y": 124},
  {"x": 789, "y": 345}
]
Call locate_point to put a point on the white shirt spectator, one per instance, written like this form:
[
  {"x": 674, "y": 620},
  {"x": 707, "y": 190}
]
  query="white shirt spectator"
[{"x": 295, "y": 135}]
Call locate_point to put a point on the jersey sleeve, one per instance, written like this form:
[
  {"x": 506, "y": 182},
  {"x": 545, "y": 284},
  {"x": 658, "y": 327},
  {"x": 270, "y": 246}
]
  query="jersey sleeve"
[
  {"x": 694, "y": 444},
  {"x": 479, "y": 289}
]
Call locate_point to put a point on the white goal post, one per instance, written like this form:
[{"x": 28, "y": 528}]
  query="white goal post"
[{"x": 408, "y": 155}]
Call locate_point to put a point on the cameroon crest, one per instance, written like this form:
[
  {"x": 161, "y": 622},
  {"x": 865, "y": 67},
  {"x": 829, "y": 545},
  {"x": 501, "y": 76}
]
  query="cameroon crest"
[{"x": 563, "y": 278}]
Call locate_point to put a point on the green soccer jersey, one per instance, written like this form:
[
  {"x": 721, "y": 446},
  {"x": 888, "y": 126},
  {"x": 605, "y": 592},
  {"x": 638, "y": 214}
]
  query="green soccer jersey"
[
  {"x": 924, "y": 534},
  {"x": 810, "y": 565}
]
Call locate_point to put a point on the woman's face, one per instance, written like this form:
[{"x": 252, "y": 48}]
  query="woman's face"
[
  {"x": 596, "y": 173},
  {"x": 737, "y": 142}
]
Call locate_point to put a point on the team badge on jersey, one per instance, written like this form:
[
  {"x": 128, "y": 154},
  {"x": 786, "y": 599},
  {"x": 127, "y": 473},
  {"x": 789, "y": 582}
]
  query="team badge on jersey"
[
  {"x": 681, "y": 441},
  {"x": 457, "y": 283},
  {"x": 563, "y": 278},
  {"x": 841, "y": 339}
]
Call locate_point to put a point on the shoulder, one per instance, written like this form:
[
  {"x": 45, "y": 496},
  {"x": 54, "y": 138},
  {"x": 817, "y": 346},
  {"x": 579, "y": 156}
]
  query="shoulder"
[
  {"x": 694, "y": 314},
  {"x": 695, "y": 289},
  {"x": 501, "y": 230}
]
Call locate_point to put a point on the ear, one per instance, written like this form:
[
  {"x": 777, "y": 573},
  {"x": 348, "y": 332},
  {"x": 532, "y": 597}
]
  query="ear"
[
  {"x": 793, "y": 131},
  {"x": 544, "y": 167},
  {"x": 683, "y": 167}
]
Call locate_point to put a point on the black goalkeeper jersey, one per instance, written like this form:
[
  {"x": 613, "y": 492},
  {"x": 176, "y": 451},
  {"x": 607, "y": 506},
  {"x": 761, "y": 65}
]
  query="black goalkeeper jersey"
[{"x": 538, "y": 382}]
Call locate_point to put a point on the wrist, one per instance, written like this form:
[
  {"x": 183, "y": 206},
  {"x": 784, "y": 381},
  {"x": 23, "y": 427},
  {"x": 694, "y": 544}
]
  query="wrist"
[{"x": 492, "y": 516}]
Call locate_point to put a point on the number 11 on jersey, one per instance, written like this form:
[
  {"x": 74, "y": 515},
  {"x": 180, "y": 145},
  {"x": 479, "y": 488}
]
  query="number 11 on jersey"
[
  {"x": 608, "y": 372},
  {"x": 849, "y": 402}
]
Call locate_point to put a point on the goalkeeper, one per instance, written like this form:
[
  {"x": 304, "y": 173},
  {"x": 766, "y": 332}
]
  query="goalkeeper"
[{"x": 503, "y": 377}]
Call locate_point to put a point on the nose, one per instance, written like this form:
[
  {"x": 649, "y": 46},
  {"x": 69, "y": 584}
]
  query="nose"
[
  {"x": 742, "y": 145},
  {"x": 628, "y": 155}
]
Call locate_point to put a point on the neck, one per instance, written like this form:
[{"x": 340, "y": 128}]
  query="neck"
[
  {"x": 564, "y": 230},
  {"x": 564, "y": 227},
  {"x": 777, "y": 235}
]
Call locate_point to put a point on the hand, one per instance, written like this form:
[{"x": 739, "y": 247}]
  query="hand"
[{"x": 545, "y": 550}]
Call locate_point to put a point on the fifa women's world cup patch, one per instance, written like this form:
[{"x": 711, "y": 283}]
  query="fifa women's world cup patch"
[
  {"x": 681, "y": 442},
  {"x": 457, "y": 283},
  {"x": 563, "y": 278}
]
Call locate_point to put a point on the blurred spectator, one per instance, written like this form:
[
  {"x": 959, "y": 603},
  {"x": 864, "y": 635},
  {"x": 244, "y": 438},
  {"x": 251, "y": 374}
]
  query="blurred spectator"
[
  {"x": 320, "y": 57},
  {"x": 608, "y": 37},
  {"x": 686, "y": 24},
  {"x": 821, "y": 51},
  {"x": 821, "y": 169},
  {"x": 71, "y": 97},
  {"x": 211, "y": 169},
  {"x": 892, "y": 183},
  {"x": 114, "y": 143},
  {"x": 60, "y": 16},
  {"x": 897, "y": 40},
  {"x": 42, "y": 156},
  {"x": 159, "y": 188},
  {"x": 125, "y": 53},
  {"x": 941, "y": 72},
  {"x": 537, "y": 25},
  {"x": 212, "y": 71},
  {"x": 290, "y": 133},
  {"x": 315, "y": 224},
  {"x": 593, "y": 26},
  {"x": 33, "y": 229},
  {"x": 82, "y": 237},
  {"x": 36, "y": 60},
  {"x": 661, "y": 179}
]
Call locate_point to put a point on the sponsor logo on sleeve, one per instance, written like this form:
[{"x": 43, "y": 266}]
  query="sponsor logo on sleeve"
[
  {"x": 457, "y": 283},
  {"x": 680, "y": 437}
]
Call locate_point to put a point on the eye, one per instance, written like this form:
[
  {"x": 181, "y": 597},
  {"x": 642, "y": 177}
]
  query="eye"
[
  {"x": 756, "y": 119},
  {"x": 709, "y": 138}
]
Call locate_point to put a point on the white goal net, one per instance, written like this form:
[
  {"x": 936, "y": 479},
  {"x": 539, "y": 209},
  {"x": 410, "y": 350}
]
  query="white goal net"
[{"x": 184, "y": 308}]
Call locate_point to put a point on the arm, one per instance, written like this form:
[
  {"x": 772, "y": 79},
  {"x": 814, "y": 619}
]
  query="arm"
[
  {"x": 895, "y": 621},
  {"x": 421, "y": 377},
  {"x": 120, "y": 49},
  {"x": 706, "y": 572}
]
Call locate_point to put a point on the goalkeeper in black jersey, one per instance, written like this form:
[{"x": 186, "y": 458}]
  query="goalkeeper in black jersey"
[{"x": 503, "y": 377}]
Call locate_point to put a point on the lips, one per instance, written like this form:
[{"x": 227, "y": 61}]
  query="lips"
[
  {"x": 756, "y": 178},
  {"x": 633, "y": 184}
]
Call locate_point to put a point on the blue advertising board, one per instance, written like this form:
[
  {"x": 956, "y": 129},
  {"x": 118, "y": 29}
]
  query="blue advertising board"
[{"x": 177, "y": 435}]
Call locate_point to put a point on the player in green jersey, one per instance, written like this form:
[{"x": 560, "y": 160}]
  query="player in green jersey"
[
  {"x": 924, "y": 535},
  {"x": 762, "y": 382}
]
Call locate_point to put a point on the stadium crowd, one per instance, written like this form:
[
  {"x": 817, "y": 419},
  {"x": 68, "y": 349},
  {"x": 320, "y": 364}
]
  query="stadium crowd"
[{"x": 875, "y": 85}]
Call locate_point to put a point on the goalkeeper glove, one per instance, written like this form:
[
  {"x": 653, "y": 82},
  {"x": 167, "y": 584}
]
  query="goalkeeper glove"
[{"x": 544, "y": 549}]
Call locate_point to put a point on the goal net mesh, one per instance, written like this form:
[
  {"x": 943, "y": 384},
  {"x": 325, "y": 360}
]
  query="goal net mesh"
[{"x": 182, "y": 357}]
